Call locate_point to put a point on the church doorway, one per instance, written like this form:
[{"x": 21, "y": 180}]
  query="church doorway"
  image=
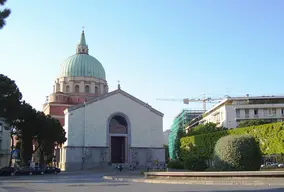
[
  {"x": 117, "y": 149},
  {"x": 118, "y": 139}
]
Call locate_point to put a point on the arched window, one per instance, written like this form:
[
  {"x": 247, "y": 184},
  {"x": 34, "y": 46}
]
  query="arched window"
[
  {"x": 96, "y": 90},
  {"x": 77, "y": 89},
  {"x": 87, "y": 89},
  {"x": 67, "y": 89}
]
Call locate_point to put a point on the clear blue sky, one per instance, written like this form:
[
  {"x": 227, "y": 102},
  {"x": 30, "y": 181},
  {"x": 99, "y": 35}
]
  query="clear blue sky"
[{"x": 157, "y": 49}]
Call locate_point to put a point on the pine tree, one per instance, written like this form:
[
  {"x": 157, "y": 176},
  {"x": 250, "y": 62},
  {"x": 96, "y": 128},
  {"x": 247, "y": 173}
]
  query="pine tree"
[{"x": 4, "y": 14}]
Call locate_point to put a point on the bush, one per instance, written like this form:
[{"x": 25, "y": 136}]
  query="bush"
[
  {"x": 205, "y": 129},
  {"x": 194, "y": 163},
  {"x": 175, "y": 164},
  {"x": 237, "y": 153},
  {"x": 210, "y": 169},
  {"x": 269, "y": 136}
]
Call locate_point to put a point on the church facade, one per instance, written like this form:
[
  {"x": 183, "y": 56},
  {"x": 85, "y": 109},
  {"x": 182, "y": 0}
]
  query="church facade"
[{"x": 102, "y": 127}]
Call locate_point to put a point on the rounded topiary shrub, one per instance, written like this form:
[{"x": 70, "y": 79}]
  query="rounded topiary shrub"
[{"x": 237, "y": 153}]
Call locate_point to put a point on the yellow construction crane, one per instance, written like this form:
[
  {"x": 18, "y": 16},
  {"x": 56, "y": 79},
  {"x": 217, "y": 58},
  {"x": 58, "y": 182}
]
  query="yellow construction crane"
[{"x": 204, "y": 100}]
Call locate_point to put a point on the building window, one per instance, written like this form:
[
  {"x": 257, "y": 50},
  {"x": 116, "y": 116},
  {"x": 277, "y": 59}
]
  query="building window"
[
  {"x": 87, "y": 89},
  {"x": 238, "y": 113},
  {"x": 265, "y": 112},
  {"x": 255, "y": 112},
  {"x": 96, "y": 90},
  {"x": 273, "y": 111},
  {"x": 67, "y": 89},
  {"x": 282, "y": 112},
  {"x": 77, "y": 89},
  {"x": 247, "y": 113}
]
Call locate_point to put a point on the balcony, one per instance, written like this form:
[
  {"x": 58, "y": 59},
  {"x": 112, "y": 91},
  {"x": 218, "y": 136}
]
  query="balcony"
[{"x": 259, "y": 116}]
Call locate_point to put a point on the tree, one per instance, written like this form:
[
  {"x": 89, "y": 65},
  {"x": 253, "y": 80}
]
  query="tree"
[
  {"x": 51, "y": 134},
  {"x": 167, "y": 155},
  {"x": 237, "y": 153},
  {"x": 4, "y": 14},
  {"x": 179, "y": 135},
  {"x": 204, "y": 129},
  {"x": 10, "y": 100},
  {"x": 249, "y": 123},
  {"x": 27, "y": 129}
]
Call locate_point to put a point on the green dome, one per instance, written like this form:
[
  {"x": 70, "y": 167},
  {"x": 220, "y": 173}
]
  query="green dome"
[{"x": 82, "y": 65}]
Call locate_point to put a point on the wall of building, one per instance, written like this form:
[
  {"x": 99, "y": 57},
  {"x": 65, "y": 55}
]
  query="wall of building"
[
  {"x": 230, "y": 115},
  {"x": 166, "y": 136},
  {"x": 5, "y": 144},
  {"x": 86, "y": 128},
  {"x": 146, "y": 126},
  {"x": 96, "y": 85}
]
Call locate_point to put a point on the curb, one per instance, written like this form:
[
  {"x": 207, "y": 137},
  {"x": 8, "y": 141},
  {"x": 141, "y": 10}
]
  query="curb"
[{"x": 189, "y": 182}]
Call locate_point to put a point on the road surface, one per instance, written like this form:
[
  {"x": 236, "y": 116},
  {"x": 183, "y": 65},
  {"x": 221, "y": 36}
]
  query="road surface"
[{"x": 85, "y": 182}]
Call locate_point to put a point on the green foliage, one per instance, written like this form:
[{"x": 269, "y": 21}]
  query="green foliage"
[
  {"x": 205, "y": 128},
  {"x": 10, "y": 100},
  {"x": 249, "y": 123},
  {"x": 177, "y": 144},
  {"x": 167, "y": 155},
  {"x": 211, "y": 169},
  {"x": 194, "y": 163},
  {"x": 30, "y": 125},
  {"x": 269, "y": 136},
  {"x": 4, "y": 14},
  {"x": 175, "y": 164},
  {"x": 237, "y": 153}
]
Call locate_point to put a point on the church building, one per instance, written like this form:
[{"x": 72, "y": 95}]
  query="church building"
[{"x": 102, "y": 127}]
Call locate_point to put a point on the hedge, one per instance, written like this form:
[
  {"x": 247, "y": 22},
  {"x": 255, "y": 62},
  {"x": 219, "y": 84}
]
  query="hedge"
[{"x": 270, "y": 138}]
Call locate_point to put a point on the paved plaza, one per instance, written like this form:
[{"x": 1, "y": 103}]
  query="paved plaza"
[{"x": 85, "y": 182}]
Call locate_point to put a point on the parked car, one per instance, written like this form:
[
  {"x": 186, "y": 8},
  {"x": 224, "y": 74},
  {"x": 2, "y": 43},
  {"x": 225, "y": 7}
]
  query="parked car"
[
  {"x": 7, "y": 171},
  {"x": 24, "y": 171},
  {"x": 38, "y": 170},
  {"x": 53, "y": 170}
]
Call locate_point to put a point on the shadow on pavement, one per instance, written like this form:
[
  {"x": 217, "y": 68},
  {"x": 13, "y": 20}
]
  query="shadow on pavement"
[
  {"x": 75, "y": 180},
  {"x": 23, "y": 189}
]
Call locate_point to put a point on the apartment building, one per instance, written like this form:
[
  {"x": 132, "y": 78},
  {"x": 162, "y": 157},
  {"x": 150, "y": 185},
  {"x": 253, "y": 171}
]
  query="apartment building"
[
  {"x": 5, "y": 143},
  {"x": 232, "y": 110}
]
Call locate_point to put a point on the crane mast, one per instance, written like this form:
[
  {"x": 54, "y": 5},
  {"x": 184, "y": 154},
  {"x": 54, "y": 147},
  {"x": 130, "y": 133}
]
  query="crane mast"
[{"x": 187, "y": 100}]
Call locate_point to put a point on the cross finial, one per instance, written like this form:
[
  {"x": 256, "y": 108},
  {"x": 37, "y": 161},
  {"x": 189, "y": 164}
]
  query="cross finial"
[
  {"x": 118, "y": 84},
  {"x": 83, "y": 28}
]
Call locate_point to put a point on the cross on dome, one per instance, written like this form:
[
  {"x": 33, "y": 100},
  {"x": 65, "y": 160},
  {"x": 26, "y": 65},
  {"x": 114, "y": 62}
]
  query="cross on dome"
[{"x": 118, "y": 84}]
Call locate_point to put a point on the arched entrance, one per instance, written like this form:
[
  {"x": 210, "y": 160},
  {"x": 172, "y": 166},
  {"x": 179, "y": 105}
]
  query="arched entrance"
[{"x": 118, "y": 138}]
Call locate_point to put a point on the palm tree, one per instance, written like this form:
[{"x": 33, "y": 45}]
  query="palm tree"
[{"x": 3, "y": 14}]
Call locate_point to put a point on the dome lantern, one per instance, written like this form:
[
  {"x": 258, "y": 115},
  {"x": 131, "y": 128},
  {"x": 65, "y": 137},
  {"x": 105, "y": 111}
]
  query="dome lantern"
[
  {"x": 82, "y": 64},
  {"x": 82, "y": 47}
]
